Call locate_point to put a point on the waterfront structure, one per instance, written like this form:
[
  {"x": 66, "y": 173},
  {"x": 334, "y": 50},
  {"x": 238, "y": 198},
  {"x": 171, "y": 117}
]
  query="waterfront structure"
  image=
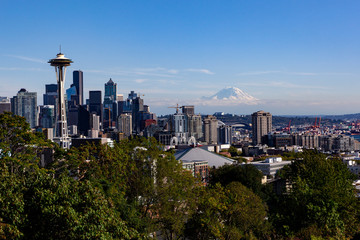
[
  {"x": 61, "y": 131},
  {"x": 25, "y": 104},
  {"x": 261, "y": 125}
]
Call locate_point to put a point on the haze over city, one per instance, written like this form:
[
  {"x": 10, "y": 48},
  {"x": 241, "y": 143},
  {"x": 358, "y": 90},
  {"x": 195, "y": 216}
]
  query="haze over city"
[{"x": 295, "y": 57}]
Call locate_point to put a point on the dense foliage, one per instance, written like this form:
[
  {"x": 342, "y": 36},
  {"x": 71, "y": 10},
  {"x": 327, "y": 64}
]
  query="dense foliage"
[
  {"x": 246, "y": 174},
  {"x": 320, "y": 199},
  {"x": 135, "y": 190},
  {"x": 233, "y": 212}
]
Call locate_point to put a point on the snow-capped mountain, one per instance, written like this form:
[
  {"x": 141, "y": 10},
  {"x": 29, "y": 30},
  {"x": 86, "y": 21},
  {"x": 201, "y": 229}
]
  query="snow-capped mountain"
[{"x": 234, "y": 94}]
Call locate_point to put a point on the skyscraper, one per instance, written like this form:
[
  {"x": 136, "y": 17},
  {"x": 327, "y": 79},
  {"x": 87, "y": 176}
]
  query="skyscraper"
[
  {"x": 50, "y": 94},
  {"x": 110, "y": 105},
  {"x": 124, "y": 124},
  {"x": 188, "y": 110},
  {"x": 78, "y": 84},
  {"x": 195, "y": 126},
  {"x": 110, "y": 90},
  {"x": 210, "y": 129},
  {"x": 137, "y": 108},
  {"x": 261, "y": 125},
  {"x": 24, "y": 104},
  {"x": 46, "y": 116},
  {"x": 95, "y": 103}
]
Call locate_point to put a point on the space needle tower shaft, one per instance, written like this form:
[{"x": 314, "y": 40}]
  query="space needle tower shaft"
[{"x": 61, "y": 132}]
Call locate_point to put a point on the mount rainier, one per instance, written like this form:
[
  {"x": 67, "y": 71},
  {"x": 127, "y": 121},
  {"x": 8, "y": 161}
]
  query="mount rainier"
[{"x": 233, "y": 94}]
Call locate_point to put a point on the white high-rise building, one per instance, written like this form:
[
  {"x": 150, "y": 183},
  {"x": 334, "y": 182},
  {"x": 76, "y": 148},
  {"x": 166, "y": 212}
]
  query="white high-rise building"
[{"x": 124, "y": 124}]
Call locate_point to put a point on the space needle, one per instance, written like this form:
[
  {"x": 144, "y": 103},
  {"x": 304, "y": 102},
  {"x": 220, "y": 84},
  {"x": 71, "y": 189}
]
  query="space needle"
[{"x": 61, "y": 132}]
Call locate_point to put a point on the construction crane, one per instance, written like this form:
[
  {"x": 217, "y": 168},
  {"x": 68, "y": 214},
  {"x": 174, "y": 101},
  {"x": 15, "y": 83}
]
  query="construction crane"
[
  {"x": 289, "y": 126},
  {"x": 317, "y": 123},
  {"x": 177, "y": 107},
  {"x": 287, "y": 129}
]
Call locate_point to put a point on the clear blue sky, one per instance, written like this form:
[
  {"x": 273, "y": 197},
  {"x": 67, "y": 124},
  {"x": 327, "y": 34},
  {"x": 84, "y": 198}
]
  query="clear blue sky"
[{"x": 296, "y": 56}]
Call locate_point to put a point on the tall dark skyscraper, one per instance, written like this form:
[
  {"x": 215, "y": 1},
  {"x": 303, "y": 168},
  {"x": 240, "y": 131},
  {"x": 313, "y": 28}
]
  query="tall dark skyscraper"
[
  {"x": 137, "y": 107},
  {"x": 79, "y": 85},
  {"x": 110, "y": 105},
  {"x": 95, "y": 103},
  {"x": 50, "y": 94},
  {"x": 110, "y": 90}
]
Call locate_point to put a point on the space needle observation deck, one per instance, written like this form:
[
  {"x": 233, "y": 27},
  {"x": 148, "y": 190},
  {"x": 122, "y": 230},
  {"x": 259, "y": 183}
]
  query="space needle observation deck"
[{"x": 61, "y": 132}]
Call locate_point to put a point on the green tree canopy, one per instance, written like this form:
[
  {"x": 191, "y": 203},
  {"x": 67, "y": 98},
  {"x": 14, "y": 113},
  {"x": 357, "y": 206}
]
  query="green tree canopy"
[
  {"x": 246, "y": 174},
  {"x": 148, "y": 186},
  {"x": 234, "y": 212},
  {"x": 18, "y": 145},
  {"x": 320, "y": 199},
  {"x": 39, "y": 206}
]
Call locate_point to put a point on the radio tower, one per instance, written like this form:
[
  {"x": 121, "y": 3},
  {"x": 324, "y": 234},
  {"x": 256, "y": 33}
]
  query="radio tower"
[{"x": 61, "y": 132}]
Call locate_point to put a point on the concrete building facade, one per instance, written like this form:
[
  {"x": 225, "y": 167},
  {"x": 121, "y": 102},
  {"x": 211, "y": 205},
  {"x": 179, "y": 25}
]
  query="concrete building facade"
[
  {"x": 261, "y": 125},
  {"x": 25, "y": 104}
]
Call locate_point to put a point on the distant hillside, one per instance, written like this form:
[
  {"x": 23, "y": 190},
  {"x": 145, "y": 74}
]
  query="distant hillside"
[
  {"x": 345, "y": 117},
  {"x": 283, "y": 121},
  {"x": 280, "y": 121}
]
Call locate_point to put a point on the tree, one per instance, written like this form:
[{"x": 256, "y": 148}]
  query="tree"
[
  {"x": 320, "y": 201},
  {"x": 174, "y": 197},
  {"x": 148, "y": 186},
  {"x": 233, "y": 151},
  {"x": 246, "y": 174},
  {"x": 38, "y": 204},
  {"x": 234, "y": 212},
  {"x": 18, "y": 145}
]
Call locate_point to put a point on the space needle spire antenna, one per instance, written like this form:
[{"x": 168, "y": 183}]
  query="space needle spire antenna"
[{"x": 61, "y": 132}]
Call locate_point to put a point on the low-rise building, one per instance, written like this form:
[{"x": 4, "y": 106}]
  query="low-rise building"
[{"x": 271, "y": 165}]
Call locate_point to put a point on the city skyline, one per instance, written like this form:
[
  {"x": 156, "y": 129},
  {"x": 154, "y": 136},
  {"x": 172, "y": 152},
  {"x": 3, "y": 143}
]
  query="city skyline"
[{"x": 297, "y": 57}]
